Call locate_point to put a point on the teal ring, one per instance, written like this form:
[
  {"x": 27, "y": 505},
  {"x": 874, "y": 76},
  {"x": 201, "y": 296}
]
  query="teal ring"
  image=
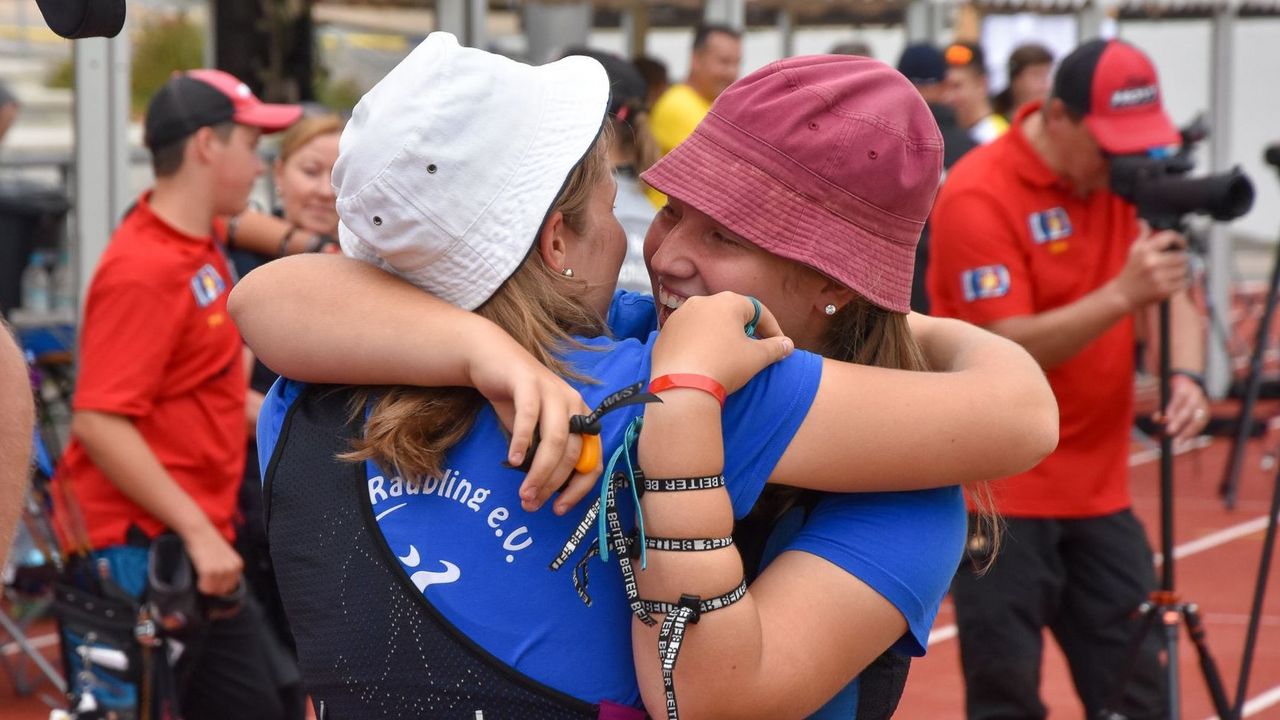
[{"x": 755, "y": 319}]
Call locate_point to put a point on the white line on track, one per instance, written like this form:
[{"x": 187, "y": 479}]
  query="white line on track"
[
  {"x": 1258, "y": 703},
  {"x": 38, "y": 642},
  {"x": 1199, "y": 545}
]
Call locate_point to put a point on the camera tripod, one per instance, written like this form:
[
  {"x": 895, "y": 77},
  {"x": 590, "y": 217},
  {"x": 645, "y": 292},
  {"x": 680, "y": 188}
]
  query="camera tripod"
[
  {"x": 1165, "y": 606},
  {"x": 1231, "y": 481}
]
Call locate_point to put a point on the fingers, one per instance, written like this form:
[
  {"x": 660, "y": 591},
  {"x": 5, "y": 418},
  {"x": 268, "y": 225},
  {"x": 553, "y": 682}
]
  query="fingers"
[
  {"x": 557, "y": 453},
  {"x": 527, "y": 405},
  {"x": 222, "y": 578},
  {"x": 1188, "y": 412},
  {"x": 578, "y": 487}
]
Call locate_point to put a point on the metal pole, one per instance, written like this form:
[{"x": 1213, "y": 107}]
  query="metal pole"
[
  {"x": 787, "y": 31},
  {"x": 726, "y": 12},
  {"x": 916, "y": 21},
  {"x": 101, "y": 188},
  {"x": 1217, "y": 363}
]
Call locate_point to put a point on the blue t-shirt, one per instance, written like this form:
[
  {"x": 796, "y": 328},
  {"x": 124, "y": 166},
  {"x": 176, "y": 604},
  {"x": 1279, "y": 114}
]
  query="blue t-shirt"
[
  {"x": 904, "y": 545},
  {"x": 483, "y": 562}
]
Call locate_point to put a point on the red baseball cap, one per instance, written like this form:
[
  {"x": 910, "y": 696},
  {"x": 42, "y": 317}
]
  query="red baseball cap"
[
  {"x": 202, "y": 98},
  {"x": 831, "y": 161},
  {"x": 1114, "y": 86}
]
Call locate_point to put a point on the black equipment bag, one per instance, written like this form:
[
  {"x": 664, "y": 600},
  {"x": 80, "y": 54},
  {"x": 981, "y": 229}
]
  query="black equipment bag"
[{"x": 102, "y": 655}]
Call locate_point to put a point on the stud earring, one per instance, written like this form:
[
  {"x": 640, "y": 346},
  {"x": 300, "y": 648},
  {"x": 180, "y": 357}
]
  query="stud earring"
[
  {"x": 830, "y": 309},
  {"x": 567, "y": 272}
]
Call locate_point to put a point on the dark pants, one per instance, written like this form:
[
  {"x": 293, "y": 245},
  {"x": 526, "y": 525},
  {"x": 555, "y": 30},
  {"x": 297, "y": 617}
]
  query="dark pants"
[
  {"x": 233, "y": 675},
  {"x": 1081, "y": 578}
]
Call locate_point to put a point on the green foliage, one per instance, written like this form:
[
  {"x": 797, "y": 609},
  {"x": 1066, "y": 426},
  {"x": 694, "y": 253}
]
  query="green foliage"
[
  {"x": 338, "y": 94},
  {"x": 160, "y": 47},
  {"x": 63, "y": 75}
]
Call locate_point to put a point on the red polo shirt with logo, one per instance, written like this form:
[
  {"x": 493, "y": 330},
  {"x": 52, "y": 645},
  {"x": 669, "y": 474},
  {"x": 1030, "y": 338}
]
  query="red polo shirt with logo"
[
  {"x": 158, "y": 347},
  {"x": 1011, "y": 238}
]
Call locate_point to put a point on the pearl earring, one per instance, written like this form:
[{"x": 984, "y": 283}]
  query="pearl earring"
[
  {"x": 830, "y": 309},
  {"x": 567, "y": 272}
]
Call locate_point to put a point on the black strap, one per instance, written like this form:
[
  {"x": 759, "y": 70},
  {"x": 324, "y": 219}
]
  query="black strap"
[
  {"x": 707, "y": 482},
  {"x": 680, "y": 615},
  {"x": 683, "y": 544}
]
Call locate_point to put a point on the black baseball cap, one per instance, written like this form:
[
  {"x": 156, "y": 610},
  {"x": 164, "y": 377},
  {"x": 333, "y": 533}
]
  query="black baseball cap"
[
  {"x": 203, "y": 98},
  {"x": 1113, "y": 85},
  {"x": 923, "y": 64}
]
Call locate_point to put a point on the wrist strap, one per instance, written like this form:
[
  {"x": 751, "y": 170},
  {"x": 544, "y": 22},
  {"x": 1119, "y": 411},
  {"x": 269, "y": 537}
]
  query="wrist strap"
[
  {"x": 1194, "y": 377},
  {"x": 689, "y": 381},
  {"x": 284, "y": 241}
]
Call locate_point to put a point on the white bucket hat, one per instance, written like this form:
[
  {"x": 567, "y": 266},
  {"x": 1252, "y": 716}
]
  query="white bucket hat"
[{"x": 450, "y": 164}]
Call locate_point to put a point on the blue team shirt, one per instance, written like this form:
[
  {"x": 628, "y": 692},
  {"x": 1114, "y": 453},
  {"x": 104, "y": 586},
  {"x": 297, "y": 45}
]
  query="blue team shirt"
[{"x": 483, "y": 562}]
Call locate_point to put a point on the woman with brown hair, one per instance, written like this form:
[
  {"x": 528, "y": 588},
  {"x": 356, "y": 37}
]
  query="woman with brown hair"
[{"x": 452, "y": 210}]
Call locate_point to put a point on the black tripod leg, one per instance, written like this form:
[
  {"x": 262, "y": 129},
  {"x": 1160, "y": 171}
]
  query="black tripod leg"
[
  {"x": 1116, "y": 699},
  {"x": 1259, "y": 593},
  {"x": 1244, "y": 425},
  {"x": 1208, "y": 667}
]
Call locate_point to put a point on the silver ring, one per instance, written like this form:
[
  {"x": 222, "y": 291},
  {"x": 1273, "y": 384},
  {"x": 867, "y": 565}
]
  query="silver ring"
[{"x": 1198, "y": 414}]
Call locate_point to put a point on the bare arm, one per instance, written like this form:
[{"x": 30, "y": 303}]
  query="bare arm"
[
  {"x": 267, "y": 234},
  {"x": 252, "y": 399},
  {"x": 8, "y": 113},
  {"x": 1156, "y": 269},
  {"x": 17, "y": 419},
  {"x": 331, "y": 319},
  {"x": 878, "y": 429},
  {"x": 117, "y": 448},
  {"x": 801, "y": 632}
]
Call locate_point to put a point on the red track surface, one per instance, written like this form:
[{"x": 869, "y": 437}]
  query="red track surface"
[{"x": 1218, "y": 576}]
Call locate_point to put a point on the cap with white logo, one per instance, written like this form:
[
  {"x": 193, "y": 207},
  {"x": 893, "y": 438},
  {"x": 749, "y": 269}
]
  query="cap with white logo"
[
  {"x": 204, "y": 98},
  {"x": 1114, "y": 86}
]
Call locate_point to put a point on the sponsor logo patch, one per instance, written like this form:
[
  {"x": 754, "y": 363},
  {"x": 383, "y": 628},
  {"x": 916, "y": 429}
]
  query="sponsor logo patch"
[
  {"x": 207, "y": 285},
  {"x": 985, "y": 283},
  {"x": 1134, "y": 96},
  {"x": 1049, "y": 225}
]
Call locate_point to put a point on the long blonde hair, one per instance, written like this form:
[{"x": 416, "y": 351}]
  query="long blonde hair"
[{"x": 411, "y": 429}]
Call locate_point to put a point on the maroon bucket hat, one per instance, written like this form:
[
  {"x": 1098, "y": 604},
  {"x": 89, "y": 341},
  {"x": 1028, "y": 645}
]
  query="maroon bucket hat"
[{"x": 831, "y": 161}]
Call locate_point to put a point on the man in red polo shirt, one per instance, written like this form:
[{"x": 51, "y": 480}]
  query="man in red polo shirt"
[
  {"x": 1029, "y": 242},
  {"x": 158, "y": 430}
]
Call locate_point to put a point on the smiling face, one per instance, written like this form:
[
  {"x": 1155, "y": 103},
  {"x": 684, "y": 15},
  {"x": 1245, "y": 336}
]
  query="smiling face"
[
  {"x": 690, "y": 254},
  {"x": 305, "y": 182}
]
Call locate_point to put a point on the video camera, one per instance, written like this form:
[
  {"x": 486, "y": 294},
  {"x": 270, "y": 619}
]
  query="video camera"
[{"x": 1157, "y": 184}]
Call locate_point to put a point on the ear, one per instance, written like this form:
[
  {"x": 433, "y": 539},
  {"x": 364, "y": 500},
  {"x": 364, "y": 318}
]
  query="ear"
[
  {"x": 204, "y": 145},
  {"x": 831, "y": 293},
  {"x": 277, "y": 172},
  {"x": 553, "y": 241}
]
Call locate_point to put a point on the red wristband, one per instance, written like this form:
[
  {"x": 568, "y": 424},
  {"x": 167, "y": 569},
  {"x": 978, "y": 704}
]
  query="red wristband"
[{"x": 690, "y": 381}]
